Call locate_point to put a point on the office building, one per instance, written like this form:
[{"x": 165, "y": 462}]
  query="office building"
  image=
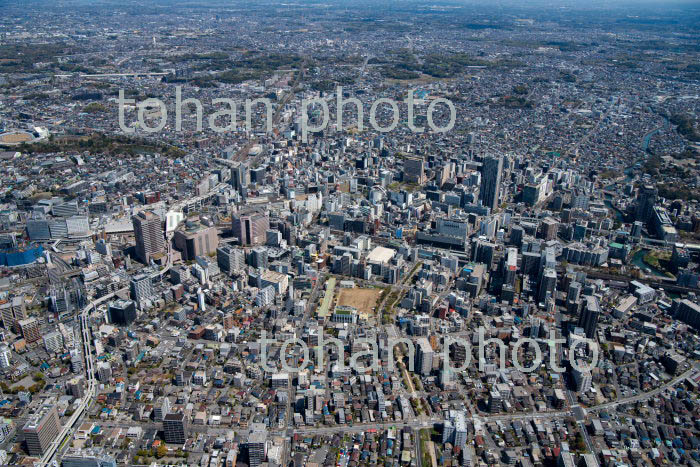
[
  {"x": 491, "y": 171},
  {"x": 414, "y": 170},
  {"x": 240, "y": 177},
  {"x": 259, "y": 258},
  {"x": 257, "y": 448},
  {"x": 141, "y": 287},
  {"x": 510, "y": 266},
  {"x": 194, "y": 239},
  {"x": 251, "y": 229},
  {"x": 495, "y": 401},
  {"x": 637, "y": 229},
  {"x": 175, "y": 428},
  {"x": 76, "y": 386},
  {"x": 41, "y": 429},
  {"x": 148, "y": 231},
  {"x": 230, "y": 260},
  {"x": 122, "y": 312},
  {"x": 549, "y": 229},
  {"x": 548, "y": 284},
  {"x": 104, "y": 372}
]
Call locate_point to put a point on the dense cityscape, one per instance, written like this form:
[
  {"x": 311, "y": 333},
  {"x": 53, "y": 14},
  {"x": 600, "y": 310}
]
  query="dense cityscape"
[{"x": 349, "y": 233}]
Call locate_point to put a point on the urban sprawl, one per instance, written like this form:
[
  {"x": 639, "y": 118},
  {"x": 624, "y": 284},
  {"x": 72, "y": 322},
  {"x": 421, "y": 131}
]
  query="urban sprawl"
[{"x": 304, "y": 288}]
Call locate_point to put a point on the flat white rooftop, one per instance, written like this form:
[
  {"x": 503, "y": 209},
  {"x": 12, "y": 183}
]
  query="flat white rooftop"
[{"x": 380, "y": 255}]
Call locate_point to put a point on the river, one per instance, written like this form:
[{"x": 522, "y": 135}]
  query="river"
[{"x": 638, "y": 260}]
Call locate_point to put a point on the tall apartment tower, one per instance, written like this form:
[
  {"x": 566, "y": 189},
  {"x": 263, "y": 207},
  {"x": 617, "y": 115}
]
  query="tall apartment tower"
[
  {"x": 30, "y": 330},
  {"x": 240, "y": 176},
  {"x": 251, "y": 229},
  {"x": 548, "y": 284},
  {"x": 491, "y": 171},
  {"x": 589, "y": 316},
  {"x": 148, "y": 230},
  {"x": 424, "y": 356},
  {"x": 646, "y": 199},
  {"x": 12, "y": 312},
  {"x": 41, "y": 429}
]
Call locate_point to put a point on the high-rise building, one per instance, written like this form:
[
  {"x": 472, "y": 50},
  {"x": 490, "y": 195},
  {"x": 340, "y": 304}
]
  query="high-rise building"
[
  {"x": 240, "y": 177},
  {"x": 76, "y": 361},
  {"x": 549, "y": 228},
  {"x": 41, "y": 429},
  {"x": 259, "y": 258},
  {"x": 251, "y": 229},
  {"x": 414, "y": 170},
  {"x": 5, "y": 357},
  {"x": 548, "y": 284},
  {"x": 256, "y": 445},
  {"x": 104, "y": 372},
  {"x": 161, "y": 409},
  {"x": 87, "y": 457},
  {"x": 195, "y": 240},
  {"x": 448, "y": 431},
  {"x": 148, "y": 230},
  {"x": 510, "y": 266},
  {"x": 582, "y": 379},
  {"x": 687, "y": 311},
  {"x": 76, "y": 386},
  {"x": 491, "y": 171},
  {"x": 68, "y": 335},
  {"x": 61, "y": 301},
  {"x": 6, "y": 427},
  {"x": 573, "y": 297},
  {"x": 495, "y": 401},
  {"x": 12, "y": 312},
  {"x": 122, "y": 312},
  {"x": 637, "y": 229},
  {"x": 424, "y": 356},
  {"x": 141, "y": 287},
  {"x": 175, "y": 428},
  {"x": 455, "y": 429},
  {"x": 589, "y": 316},
  {"x": 646, "y": 199},
  {"x": 53, "y": 342},
  {"x": 230, "y": 260},
  {"x": 30, "y": 330},
  {"x": 531, "y": 263}
]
